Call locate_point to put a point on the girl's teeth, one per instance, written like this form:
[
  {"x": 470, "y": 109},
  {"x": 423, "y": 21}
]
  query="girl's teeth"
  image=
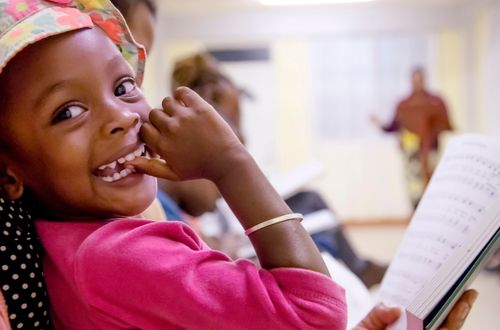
[
  {"x": 111, "y": 166},
  {"x": 117, "y": 176},
  {"x": 125, "y": 172},
  {"x": 138, "y": 152}
]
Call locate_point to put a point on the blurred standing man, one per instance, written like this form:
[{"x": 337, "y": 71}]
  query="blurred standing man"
[{"x": 419, "y": 119}]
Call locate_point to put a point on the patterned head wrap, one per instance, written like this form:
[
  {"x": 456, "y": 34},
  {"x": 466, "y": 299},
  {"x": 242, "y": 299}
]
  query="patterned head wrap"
[{"x": 24, "y": 22}]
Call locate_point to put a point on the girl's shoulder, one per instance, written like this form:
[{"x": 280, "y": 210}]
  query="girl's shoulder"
[
  {"x": 114, "y": 231},
  {"x": 93, "y": 241},
  {"x": 124, "y": 233}
]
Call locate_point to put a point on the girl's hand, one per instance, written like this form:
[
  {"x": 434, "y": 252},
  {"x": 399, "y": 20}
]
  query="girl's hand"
[{"x": 191, "y": 138}]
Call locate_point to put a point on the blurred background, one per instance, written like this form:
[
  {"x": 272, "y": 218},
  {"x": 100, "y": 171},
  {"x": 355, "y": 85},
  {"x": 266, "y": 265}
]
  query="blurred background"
[{"x": 314, "y": 73}]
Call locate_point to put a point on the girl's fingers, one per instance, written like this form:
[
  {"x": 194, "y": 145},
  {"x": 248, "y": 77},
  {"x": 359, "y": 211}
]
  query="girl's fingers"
[
  {"x": 151, "y": 136},
  {"x": 160, "y": 120},
  {"x": 189, "y": 98},
  {"x": 154, "y": 167},
  {"x": 173, "y": 106}
]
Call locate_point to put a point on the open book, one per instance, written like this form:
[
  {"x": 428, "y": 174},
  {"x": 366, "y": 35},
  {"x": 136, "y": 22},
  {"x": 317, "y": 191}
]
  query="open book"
[{"x": 453, "y": 231}]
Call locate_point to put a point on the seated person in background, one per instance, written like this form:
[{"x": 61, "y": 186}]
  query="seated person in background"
[
  {"x": 202, "y": 73},
  {"x": 141, "y": 18}
]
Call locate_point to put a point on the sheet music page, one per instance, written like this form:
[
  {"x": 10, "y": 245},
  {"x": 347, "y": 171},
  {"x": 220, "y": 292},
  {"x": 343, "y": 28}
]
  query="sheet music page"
[{"x": 464, "y": 187}]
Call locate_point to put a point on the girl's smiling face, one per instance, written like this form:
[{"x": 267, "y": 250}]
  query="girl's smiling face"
[{"x": 71, "y": 115}]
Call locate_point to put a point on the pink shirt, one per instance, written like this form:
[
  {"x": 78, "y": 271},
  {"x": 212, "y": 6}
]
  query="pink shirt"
[{"x": 129, "y": 274}]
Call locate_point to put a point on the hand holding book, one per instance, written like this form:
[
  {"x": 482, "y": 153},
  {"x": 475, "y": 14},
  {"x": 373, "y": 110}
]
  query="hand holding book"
[{"x": 380, "y": 317}]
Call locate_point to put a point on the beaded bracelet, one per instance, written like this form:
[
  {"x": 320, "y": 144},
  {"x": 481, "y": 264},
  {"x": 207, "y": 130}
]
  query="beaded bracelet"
[{"x": 286, "y": 217}]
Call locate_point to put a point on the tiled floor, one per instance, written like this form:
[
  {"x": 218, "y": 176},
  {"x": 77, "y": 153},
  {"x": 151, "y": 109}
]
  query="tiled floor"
[{"x": 381, "y": 243}]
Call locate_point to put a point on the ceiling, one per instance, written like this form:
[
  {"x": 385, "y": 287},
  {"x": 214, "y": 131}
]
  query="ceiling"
[{"x": 189, "y": 7}]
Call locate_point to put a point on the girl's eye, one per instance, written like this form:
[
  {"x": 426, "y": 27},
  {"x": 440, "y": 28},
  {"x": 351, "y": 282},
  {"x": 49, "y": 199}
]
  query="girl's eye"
[
  {"x": 68, "y": 113},
  {"x": 124, "y": 88}
]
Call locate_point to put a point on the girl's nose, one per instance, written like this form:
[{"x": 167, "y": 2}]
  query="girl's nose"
[{"x": 121, "y": 121}]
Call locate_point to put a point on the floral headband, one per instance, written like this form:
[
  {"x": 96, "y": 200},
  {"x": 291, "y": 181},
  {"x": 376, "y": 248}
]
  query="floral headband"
[{"x": 24, "y": 22}]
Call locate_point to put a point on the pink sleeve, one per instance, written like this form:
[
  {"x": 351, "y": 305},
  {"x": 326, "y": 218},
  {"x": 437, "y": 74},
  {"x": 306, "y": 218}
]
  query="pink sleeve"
[{"x": 161, "y": 275}]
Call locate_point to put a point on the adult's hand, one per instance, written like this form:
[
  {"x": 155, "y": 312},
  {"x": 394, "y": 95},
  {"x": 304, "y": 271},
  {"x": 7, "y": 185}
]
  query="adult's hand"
[
  {"x": 375, "y": 121},
  {"x": 380, "y": 317},
  {"x": 459, "y": 312}
]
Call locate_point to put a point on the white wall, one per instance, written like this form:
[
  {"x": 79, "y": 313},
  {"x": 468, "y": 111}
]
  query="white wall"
[
  {"x": 493, "y": 71},
  {"x": 268, "y": 24}
]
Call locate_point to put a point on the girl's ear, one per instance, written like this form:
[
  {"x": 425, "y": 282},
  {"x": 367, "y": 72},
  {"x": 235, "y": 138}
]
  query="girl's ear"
[{"x": 11, "y": 186}]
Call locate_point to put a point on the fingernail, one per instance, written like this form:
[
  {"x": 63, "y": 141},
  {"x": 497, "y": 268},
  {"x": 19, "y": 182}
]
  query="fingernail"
[
  {"x": 390, "y": 306},
  {"x": 381, "y": 305},
  {"x": 474, "y": 297}
]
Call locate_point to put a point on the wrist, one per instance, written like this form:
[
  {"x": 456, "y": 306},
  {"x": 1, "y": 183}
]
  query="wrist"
[{"x": 236, "y": 161}]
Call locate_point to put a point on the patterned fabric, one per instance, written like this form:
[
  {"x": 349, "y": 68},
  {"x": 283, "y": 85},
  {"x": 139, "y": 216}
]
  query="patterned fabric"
[
  {"x": 21, "y": 276},
  {"x": 24, "y": 22},
  {"x": 414, "y": 174}
]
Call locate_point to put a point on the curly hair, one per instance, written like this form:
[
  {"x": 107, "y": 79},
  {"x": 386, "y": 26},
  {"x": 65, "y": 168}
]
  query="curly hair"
[{"x": 195, "y": 71}]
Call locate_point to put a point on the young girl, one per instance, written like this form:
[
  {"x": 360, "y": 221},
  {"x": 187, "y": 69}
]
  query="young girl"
[
  {"x": 72, "y": 142},
  {"x": 73, "y": 123}
]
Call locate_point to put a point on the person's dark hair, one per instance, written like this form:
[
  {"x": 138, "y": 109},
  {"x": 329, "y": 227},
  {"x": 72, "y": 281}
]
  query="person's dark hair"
[
  {"x": 126, "y": 6},
  {"x": 195, "y": 71}
]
